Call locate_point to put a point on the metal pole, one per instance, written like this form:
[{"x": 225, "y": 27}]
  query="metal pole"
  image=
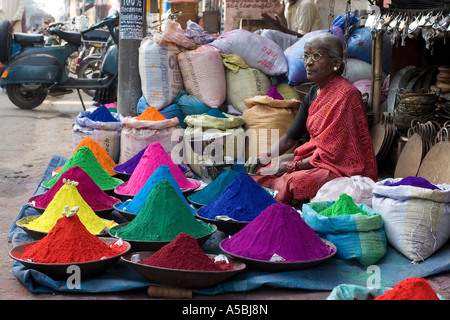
[{"x": 132, "y": 31}]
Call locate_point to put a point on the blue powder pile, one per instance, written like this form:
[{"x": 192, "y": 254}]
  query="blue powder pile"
[
  {"x": 214, "y": 188},
  {"x": 138, "y": 201},
  {"x": 415, "y": 182},
  {"x": 102, "y": 114},
  {"x": 242, "y": 200}
]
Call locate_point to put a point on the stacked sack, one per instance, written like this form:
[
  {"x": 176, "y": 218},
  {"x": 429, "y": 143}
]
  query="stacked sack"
[
  {"x": 416, "y": 215},
  {"x": 355, "y": 229}
]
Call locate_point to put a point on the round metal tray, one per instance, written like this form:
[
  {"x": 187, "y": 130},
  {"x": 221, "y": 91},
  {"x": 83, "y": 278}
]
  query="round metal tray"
[
  {"x": 127, "y": 215},
  {"x": 38, "y": 235},
  {"x": 180, "y": 278},
  {"x": 226, "y": 226},
  {"x": 137, "y": 245},
  {"x": 100, "y": 212},
  {"x": 270, "y": 266},
  {"x": 59, "y": 271}
]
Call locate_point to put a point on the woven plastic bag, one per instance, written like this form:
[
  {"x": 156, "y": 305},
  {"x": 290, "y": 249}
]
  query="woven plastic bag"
[
  {"x": 356, "y": 236},
  {"x": 416, "y": 220}
]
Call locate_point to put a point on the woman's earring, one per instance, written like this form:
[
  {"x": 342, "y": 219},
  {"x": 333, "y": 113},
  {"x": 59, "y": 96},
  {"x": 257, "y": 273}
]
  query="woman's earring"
[{"x": 335, "y": 68}]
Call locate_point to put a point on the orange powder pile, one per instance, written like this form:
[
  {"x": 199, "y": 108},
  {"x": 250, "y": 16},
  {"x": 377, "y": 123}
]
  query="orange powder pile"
[
  {"x": 102, "y": 156},
  {"x": 151, "y": 114}
]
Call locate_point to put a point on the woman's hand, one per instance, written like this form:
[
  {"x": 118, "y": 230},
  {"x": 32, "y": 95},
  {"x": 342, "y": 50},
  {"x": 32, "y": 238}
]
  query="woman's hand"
[{"x": 253, "y": 164}]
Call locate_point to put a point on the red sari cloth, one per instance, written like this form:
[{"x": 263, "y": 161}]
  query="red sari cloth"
[{"x": 340, "y": 144}]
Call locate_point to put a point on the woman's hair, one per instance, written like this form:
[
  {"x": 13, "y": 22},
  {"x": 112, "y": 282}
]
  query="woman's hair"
[{"x": 331, "y": 44}]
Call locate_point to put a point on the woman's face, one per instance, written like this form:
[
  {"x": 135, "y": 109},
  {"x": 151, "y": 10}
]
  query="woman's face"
[{"x": 320, "y": 71}]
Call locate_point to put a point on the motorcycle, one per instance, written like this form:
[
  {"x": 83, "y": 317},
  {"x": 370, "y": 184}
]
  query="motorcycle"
[{"x": 37, "y": 71}]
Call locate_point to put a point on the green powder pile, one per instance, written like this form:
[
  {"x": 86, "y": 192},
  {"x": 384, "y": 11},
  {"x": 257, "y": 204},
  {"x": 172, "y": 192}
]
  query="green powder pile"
[
  {"x": 343, "y": 206},
  {"x": 162, "y": 217},
  {"x": 85, "y": 159}
]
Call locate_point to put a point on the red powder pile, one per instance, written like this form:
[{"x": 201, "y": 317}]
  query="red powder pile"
[
  {"x": 184, "y": 253},
  {"x": 151, "y": 114},
  {"x": 95, "y": 197},
  {"x": 413, "y": 288},
  {"x": 69, "y": 242}
]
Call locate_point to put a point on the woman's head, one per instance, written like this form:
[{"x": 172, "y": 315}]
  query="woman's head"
[{"x": 323, "y": 58}]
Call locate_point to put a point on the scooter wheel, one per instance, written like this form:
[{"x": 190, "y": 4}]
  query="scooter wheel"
[{"x": 24, "y": 99}]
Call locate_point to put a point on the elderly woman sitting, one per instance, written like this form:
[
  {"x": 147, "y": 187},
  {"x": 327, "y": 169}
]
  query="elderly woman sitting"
[{"x": 333, "y": 114}]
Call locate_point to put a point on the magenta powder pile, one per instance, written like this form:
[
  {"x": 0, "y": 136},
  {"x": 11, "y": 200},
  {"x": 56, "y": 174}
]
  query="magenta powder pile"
[
  {"x": 95, "y": 197},
  {"x": 280, "y": 230},
  {"x": 153, "y": 157}
]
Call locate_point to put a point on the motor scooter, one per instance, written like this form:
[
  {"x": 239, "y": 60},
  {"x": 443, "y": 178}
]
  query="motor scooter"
[{"x": 37, "y": 71}]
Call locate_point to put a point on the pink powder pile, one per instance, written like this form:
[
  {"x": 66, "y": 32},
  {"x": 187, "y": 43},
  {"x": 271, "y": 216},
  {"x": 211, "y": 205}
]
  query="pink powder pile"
[
  {"x": 95, "y": 197},
  {"x": 153, "y": 157},
  {"x": 279, "y": 229}
]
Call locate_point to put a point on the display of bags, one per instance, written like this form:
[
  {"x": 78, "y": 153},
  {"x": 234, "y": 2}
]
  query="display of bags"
[{"x": 416, "y": 220}]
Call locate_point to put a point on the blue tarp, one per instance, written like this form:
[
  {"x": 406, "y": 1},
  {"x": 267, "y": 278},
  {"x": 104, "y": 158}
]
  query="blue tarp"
[{"x": 393, "y": 267}]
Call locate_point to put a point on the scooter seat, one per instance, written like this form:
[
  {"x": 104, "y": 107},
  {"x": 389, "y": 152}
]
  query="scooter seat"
[
  {"x": 73, "y": 38},
  {"x": 96, "y": 35},
  {"x": 26, "y": 39}
]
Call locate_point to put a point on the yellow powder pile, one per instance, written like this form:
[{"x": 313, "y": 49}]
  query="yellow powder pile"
[
  {"x": 100, "y": 154},
  {"x": 151, "y": 114},
  {"x": 68, "y": 195}
]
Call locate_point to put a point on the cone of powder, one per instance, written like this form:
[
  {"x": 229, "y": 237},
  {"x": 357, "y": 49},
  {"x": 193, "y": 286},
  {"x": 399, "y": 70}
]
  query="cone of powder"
[
  {"x": 164, "y": 215},
  {"x": 85, "y": 159},
  {"x": 128, "y": 166},
  {"x": 343, "y": 206},
  {"x": 183, "y": 253},
  {"x": 102, "y": 114},
  {"x": 151, "y": 114},
  {"x": 162, "y": 173},
  {"x": 280, "y": 230},
  {"x": 242, "y": 200},
  {"x": 413, "y": 288},
  {"x": 214, "y": 188},
  {"x": 99, "y": 153},
  {"x": 153, "y": 157},
  {"x": 68, "y": 242},
  {"x": 95, "y": 197},
  {"x": 68, "y": 195}
]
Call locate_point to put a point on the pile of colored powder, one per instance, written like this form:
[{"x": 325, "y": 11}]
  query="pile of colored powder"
[
  {"x": 69, "y": 242},
  {"x": 242, "y": 200},
  {"x": 214, "y": 112},
  {"x": 102, "y": 114},
  {"x": 162, "y": 173},
  {"x": 85, "y": 159},
  {"x": 150, "y": 114},
  {"x": 184, "y": 253},
  {"x": 153, "y": 157},
  {"x": 415, "y": 182},
  {"x": 278, "y": 230},
  {"x": 99, "y": 153},
  {"x": 163, "y": 216},
  {"x": 211, "y": 191},
  {"x": 68, "y": 195},
  {"x": 343, "y": 206},
  {"x": 128, "y": 166},
  {"x": 413, "y": 288},
  {"x": 95, "y": 197}
]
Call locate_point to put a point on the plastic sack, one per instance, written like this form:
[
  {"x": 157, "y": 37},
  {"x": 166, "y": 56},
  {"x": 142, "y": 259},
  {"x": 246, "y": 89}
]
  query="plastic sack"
[
  {"x": 269, "y": 119},
  {"x": 204, "y": 74},
  {"x": 416, "y": 220},
  {"x": 196, "y": 33},
  {"x": 357, "y": 187},
  {"x": 106, "y": 134},
  {"x": 296, "y": 67},
  {"x": 137, "y": 134},
  {"x": 257, "y": 51},
  {"x": 209, "y": 122},
  {"x": 245, "y": 83},
  {"x": 160, "y": 75},
  {"x": 356, "y": 236},
  {"x": 174, "y": 34}
]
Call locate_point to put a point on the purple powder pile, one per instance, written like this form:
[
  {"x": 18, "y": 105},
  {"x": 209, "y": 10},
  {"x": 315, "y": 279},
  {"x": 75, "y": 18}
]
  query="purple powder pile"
[
  {"x": 415, "y": 182},
  {"x": 279, "y": 229}
]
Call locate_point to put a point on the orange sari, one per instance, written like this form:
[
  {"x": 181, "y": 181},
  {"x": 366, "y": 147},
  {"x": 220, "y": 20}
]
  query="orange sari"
[{"x": 340, "y": 144}]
